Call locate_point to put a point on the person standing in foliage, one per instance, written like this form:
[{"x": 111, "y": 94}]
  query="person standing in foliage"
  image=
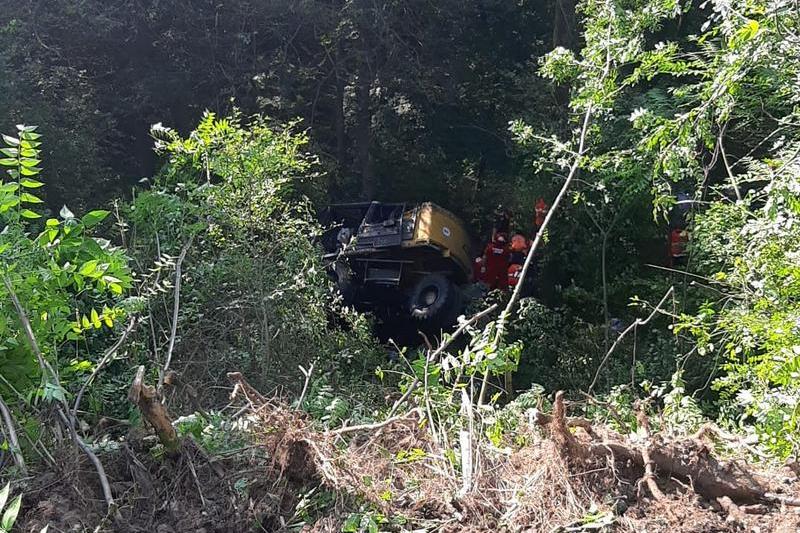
[
  {"x": 495, "y": 259},
  {"x": 516, "y": 259}
]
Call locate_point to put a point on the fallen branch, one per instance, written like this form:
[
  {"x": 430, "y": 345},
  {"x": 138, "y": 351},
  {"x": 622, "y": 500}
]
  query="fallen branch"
[
  {"x": 649, "y": 475},
  {"x": 376, "y": 425}
]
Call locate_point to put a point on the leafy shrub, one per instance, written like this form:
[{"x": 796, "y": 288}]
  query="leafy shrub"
[{"x": 255, "y": 294}]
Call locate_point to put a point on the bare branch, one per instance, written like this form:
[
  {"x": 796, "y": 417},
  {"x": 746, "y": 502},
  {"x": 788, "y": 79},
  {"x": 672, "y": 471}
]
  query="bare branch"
[
  {"x": 636, "y": 323},
  {"x": 175, "y": 308},
  {"x": 11, "y": 433}
]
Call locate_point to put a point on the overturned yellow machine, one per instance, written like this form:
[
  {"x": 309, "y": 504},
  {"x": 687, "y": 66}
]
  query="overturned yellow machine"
[{"x": 410, "y": 257}]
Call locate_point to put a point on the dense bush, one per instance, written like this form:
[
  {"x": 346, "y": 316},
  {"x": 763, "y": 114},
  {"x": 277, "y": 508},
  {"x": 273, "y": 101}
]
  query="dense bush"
[{"x": 255, "y": 294}]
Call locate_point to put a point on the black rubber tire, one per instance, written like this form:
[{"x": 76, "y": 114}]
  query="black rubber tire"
[{"x": 434, "y": 298}]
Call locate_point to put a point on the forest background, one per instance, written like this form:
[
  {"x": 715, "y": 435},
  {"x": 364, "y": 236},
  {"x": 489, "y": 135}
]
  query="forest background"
[{"x": 468, "y": 104}]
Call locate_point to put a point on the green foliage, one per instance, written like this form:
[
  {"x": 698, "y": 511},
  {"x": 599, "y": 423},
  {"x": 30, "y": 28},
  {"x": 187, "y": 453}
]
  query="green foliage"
[
  {"x": 255, "y": 294},
  {"x": 69, "y": 284}
]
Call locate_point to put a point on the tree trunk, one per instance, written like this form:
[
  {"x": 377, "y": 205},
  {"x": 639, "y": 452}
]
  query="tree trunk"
[
  {"x": 363, "y": 134},
  {"x": 564, "y": 26}
]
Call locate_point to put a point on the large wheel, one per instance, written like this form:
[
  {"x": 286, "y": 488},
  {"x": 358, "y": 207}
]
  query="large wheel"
[{"x": 435, "y": 298}]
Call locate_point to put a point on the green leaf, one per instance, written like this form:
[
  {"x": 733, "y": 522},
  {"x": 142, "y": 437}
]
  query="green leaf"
[
  {"x": 7, "y": 204},
  {"x": 4, "y": 495},
  {"x": 29, "y": 162},
  {"x": 51, "y": 223},
  {"x": 30, "y": 136},
  {"x": 27, "y": 213},
  {"x": 9, "y": 162},
  {"x": 116, "y": 288},
  {"x": 30, "y": 184},
  {"x": 30, "y": 198},
  {"x": 29, "y": 171},
  {"x": 10, "y": 152},
  {"x": 93, "y": 218},
  {"x": 26, "y": 129},
  {"x": 11, "y": 141},
  {"x": 10, "y": 516},
  {"x": 8, "y": 187},
  {"x": 85, "y": 322},
  {"x": 28, "y": 152},
  {"x": 95, "y": 319},
  {"x": 88, "y": 268}
]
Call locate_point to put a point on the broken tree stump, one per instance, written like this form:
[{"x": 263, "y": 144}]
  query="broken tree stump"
[
  {"x": 146, "y": 398},
  {"x": 686, "y": 459}
]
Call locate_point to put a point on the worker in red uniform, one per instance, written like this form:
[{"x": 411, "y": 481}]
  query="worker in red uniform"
[
  {"x": 495, "y": 261},
  {"x": 678, "y": 240},
  {"x": 540, "y": 210}
]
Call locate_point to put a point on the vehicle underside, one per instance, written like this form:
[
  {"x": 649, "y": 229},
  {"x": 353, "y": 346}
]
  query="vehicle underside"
[{"x": 382, "y": 260}]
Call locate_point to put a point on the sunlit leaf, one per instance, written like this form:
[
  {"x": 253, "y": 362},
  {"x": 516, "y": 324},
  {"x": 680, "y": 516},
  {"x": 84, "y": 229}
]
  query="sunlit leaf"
[
  {"x": 88, "y": 268},
  {"x": 27, "y": 213},
  {"x": 10, "y": 516},
  {"x": 29, "y": 171},
  {"x": 29, "y": 162},
  {"x": 30, "y": 183},
  {"x": 30, "y": 198},
  {"x": 93, "y": 218},
  {"x": 95, "y": 319},
  {"x": 4, "y": 495}
]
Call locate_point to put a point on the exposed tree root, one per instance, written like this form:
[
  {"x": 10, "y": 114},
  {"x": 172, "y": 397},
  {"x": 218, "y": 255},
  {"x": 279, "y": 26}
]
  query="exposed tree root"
[{"x": 689, "y": 460}]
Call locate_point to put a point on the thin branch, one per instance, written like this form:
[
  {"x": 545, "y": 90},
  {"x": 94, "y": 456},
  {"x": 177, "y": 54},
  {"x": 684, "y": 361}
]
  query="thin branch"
[
  {"x": 26, "y": 326},
  {"x": 62, "y": 408},
  {"x": 101, "y": 472},
  {"x": 728, "y": 168},
  {"x": 515, "y": 296},
  {"x": 634, "y": 325},
  {"x": 433, "y": 355},
  {"x": 307, "y": 374},
  {"x": 109, "y": 353},
  {"x": 175, "y": 308},
  {"x": 11, "y": 433},
  {"x": 377, "y": 425}
]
